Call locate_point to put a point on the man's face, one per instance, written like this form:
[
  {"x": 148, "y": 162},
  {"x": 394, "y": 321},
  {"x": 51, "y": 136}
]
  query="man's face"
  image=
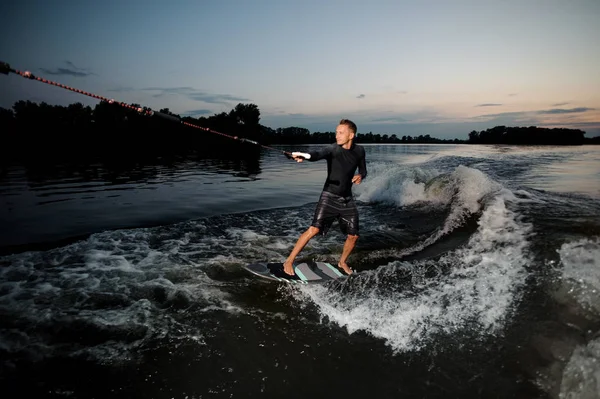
[{"x": 343, "y": 134}]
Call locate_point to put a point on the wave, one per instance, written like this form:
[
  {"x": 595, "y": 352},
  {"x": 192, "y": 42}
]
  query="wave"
[
  {"x": 472, "y": 288},
  {"x": 580, "y": 286},
  {"x": 580, "y": 275},
  {"x": 117, "y": 292},
  {"x": 463, "y": 192},
  {"x": 572, "y": 369},
  {"x": 394, "y": 184},
  {"x": 581, "y": 375},
  {"x": 103, "y": 297}
]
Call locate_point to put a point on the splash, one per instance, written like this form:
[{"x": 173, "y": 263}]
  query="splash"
[
  {"x": 103, "y": 297},
  {"x": 580, "y": 261},
  {"x": 464, "y": 191},
  {"x": 405, "y": 306},
  {"x": 394, "y": 184},
  {"x": 581, "y": 376}
]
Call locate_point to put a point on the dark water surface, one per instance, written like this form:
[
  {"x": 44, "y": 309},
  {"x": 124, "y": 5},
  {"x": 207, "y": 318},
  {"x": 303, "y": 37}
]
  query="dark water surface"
[{"x": 478, "y": 277}]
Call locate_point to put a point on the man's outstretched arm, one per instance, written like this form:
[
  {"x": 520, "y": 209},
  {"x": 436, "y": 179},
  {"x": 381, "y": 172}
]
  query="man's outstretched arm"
[{"x": 313, "y": 156}]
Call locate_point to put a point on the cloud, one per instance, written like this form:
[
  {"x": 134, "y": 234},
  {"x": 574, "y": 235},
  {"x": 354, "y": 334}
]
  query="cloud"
[
  {"x": 488, "y": 105},
  {"x": 530, "y": 115},
  {"x": 64, "y": 71},
  {"x": 385, "y": 93},
  {"x": 574, "y": 125},
  {"x": 122, "y": 89},
  {"x": 517, "y": 114},
  {"x": 314, "y": 123},
  {"x": 394, "y": 119},
  {"x": 559, "y": 104},
  {"x": 70, "y": 70},
  {"x": 512, "y": 94},
  {"x": 196, "y": 95},
  {"x": 519, "y": 118},
  {"x": 189, "y": 92},
  {"x": 197, "y": 112},
  {"x": 555, "y": 111}
]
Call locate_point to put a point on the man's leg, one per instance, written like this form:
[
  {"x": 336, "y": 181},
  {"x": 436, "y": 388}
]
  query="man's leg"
[
  {"x": 348, "y": 247},
  {"x": 349, "y": 226},
  {"x": 300, "y": 244}
]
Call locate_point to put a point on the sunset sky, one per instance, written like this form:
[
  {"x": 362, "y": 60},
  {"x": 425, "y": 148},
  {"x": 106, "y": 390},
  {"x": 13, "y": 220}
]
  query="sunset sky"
[{"x": 435, "y": 67}]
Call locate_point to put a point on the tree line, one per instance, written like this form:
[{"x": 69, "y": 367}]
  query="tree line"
[
  {"x": 32, "y": 130},
  {"x": 42, "y": 130},
  {"x": 299, "y": 135},
  {"x": 530, "y": 135}
]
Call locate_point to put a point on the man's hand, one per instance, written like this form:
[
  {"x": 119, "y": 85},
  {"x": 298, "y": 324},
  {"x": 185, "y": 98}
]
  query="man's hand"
[
  {"x": 300, "y": 156},
  {"x": 357, "y": 179}
]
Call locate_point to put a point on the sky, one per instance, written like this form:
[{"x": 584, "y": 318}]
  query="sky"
[{"x": 437, "y": 67}]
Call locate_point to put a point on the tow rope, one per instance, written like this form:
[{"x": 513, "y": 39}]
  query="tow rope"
[{"x": 6, "y": 69}]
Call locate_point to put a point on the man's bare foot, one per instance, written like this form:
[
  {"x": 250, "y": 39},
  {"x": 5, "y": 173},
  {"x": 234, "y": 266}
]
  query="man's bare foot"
[
  {"x": 288, "y": 267},
  {"x": 344, "y": 266}
]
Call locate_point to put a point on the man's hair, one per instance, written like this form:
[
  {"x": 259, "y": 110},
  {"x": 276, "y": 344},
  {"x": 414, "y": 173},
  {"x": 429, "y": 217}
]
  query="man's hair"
[{"x": 350, "y": 124}]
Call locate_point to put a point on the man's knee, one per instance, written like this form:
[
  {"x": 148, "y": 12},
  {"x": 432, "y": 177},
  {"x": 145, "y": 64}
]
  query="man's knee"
[
  {"x": 352, "y": 237},
  {"x": 313, "y": 231}
]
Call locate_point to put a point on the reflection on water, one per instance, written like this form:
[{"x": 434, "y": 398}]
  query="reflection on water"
[
  {"x": 52, "y": 179},
  {"x": 132, "y": 170},
  {"x": 40, "y": 201},
  {"x": 571, "y": 175}
]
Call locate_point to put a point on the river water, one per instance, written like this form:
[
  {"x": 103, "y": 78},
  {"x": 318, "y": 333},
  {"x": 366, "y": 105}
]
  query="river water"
[{"x": 478, "y": 276}]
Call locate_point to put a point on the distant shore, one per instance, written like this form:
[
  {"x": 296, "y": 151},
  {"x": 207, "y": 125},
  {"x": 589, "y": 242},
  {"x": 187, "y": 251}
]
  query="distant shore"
[{"x": 32, "y": 130}]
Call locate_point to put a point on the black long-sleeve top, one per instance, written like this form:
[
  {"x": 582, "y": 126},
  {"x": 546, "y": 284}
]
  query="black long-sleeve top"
[{"x": 341, "y": 165}]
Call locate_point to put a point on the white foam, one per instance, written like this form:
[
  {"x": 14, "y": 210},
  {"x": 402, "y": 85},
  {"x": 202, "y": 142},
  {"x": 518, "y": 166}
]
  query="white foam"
[
  {"x": 465, "y": 189},
  {"x": 483, "y": 284},
  {"x": 581, "y": 375},
  {"x": 114, "y": 282},
  {"x": 245, "y": 235},
  {"x": 471, "y": 187},
  {"x": 412, "y": 193},
  {"x": 394, "y": 184},
  {"x": 401, "y": 186},
  {"x": 107, "y": 260},
  {"x": 580, "y": 262},
  {"x": 223, "y": 260}
]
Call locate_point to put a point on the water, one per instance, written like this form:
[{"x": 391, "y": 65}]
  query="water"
[{"x": 478, "y": 276}]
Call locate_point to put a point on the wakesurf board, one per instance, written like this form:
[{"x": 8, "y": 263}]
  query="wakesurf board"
[{"x": 305, "y": 272}]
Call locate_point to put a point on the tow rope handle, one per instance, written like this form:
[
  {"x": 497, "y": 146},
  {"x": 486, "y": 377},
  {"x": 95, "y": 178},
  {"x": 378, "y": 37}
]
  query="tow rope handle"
[{"x": 302, "y": 155}]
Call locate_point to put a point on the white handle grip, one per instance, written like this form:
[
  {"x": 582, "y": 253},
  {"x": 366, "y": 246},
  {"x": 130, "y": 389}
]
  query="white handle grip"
[{"x": 301, "y": 154}]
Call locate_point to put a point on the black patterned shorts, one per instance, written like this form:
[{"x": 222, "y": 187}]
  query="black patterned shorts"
[{"x": 332, "y": 207}]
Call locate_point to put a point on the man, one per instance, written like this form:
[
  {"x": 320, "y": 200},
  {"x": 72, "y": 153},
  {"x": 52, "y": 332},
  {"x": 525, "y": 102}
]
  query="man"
[{"x": 336, "y": 202}]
